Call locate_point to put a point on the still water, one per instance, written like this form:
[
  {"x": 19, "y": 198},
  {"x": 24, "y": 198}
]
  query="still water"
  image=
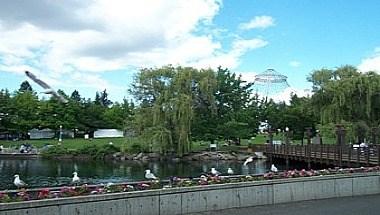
[{"x": 45, "y": 173}]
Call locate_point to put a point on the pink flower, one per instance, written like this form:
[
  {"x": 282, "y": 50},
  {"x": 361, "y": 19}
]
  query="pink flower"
[{"x": 44, "y": 193}]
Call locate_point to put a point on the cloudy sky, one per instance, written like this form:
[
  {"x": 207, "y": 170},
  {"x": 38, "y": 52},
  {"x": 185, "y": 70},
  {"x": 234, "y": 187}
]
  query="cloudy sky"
[{"x": 92, "y": 45}]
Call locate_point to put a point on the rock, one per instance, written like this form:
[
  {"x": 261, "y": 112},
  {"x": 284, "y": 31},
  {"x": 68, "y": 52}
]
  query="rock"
[
  {"x": 230, "y": 157},
  {"x": 154, "y": 155},
  {"x": 176, "y": 159},
  {"x": 260, "y": 155},
  {"x": 221, "y": 157},
  {"x": 116, "y": 155},
  {"x": 129, "y": 157},
  {"x": 138, "y": 156},
  {"x": 241, "y": 157}
]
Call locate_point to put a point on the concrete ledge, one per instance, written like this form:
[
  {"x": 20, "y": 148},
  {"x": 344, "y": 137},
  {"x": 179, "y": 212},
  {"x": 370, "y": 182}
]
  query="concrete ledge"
[{"x": 204, "y": 198}]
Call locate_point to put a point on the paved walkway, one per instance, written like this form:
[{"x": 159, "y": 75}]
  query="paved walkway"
[{"x": 360, "y": 205}]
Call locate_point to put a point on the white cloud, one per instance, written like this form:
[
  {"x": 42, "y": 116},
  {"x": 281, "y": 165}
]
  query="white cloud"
[
  {"x": 231, "y": 58},
  {"x": 285, "y": 95},
  {"x": 258, "y": 22},
  {"x": 248, "y": 76},
  {"x": 294, "y": 63},
  {"x": 371, "y": 63},
  {"x": 60, "y": 40}
]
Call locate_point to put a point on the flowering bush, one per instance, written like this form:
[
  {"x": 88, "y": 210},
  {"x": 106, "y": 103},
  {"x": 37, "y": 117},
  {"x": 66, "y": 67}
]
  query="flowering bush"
[
  {"x": 44, "y": 194},
  {"x": 67, "y": 192},
  {"x": 22, "y": 196},
  {"x": 4, "y": 197},
  {"x": 114, "y": 188},
  {"x": 143, "y": 186}
]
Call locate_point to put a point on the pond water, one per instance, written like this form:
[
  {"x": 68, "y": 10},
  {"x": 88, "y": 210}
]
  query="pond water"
[{"x": 47, "y": 173}]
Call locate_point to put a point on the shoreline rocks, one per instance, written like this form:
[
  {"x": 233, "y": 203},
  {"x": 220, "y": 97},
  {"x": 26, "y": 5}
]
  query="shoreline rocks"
[{"x": 195, "y": 156}]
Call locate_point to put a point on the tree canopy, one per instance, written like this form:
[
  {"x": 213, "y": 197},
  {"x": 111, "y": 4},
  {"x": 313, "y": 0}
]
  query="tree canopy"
[{"x": 174, "y": 106}]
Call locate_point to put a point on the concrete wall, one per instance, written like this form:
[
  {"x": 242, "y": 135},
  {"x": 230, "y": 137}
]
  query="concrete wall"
[{"x": 200, "y": 199}]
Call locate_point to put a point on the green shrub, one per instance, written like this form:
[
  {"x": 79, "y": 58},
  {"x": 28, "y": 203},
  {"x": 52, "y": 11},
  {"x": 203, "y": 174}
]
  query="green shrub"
[
  {"x": 88, "y": 150},
  {"x": 95, "y": 151},
  {"x": 54, "y": 151},
  {"x": 98, "y": 152},
  {"x": 106, "y": 150}
]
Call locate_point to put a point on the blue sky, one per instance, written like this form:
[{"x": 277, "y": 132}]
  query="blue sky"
[{"x": 92, "y": 45}]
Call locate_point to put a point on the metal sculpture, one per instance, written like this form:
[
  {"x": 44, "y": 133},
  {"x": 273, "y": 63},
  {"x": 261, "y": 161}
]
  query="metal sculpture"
[{"x": 270, "y": 82}]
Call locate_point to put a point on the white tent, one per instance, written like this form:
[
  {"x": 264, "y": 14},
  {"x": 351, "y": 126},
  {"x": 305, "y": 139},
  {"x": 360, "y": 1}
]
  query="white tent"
[{"x": 108, "y": 133}]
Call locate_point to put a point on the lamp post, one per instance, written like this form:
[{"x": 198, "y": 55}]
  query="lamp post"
[
  {"x": 287, "y": 135},
  {"x": 287, "y": 145},
  {"x": 60, "y": 133}
]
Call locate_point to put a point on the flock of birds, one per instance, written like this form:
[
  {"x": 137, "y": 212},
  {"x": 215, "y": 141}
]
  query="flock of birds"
[{"x": 148, "y": 175}]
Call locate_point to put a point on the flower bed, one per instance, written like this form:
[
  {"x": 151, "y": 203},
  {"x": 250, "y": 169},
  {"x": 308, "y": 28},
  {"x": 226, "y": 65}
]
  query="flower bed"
[{"x": 65, "y": 192}]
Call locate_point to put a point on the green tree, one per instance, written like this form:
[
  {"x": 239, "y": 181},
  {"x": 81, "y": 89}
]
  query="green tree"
[
  {"x": 25, "y": 86},
  {"x": 236, "y": 106},
  {"x": 167, "y": 97},
  {"x": 345, "y": 95},
  {"x": 75, "y": 96}
]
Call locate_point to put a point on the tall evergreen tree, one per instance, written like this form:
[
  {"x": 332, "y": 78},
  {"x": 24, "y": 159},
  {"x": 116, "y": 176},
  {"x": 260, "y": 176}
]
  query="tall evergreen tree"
[{"x": 25, "y": 86}]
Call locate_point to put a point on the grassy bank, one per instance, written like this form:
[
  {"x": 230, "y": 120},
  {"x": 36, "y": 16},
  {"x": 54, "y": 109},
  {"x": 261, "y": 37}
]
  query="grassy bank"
[
  {"x": 118, "y": 142},
  {"x": 95, "y": 147},
  {"x": 67, "y": 143}
]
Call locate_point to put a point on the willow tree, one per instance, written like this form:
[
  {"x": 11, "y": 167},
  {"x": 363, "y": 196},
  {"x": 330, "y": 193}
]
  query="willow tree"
[
  {"x": 346, "y": 95},
  {"x": 167, "y": 98}
]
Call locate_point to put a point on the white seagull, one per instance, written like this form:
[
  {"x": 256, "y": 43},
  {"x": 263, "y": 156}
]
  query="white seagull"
[
  {"x": 149, "y": 175},
  {"x": 214, "y": 171},
  {"x": 250, "y": 159},
  {"x": 18, "y": 182},
  {"x": 273, "y": 168},
  {"x": 76, "y": 179},
  {"x": 230, "y": 171}
]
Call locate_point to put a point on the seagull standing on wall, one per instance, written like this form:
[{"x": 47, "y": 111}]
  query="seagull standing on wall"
[
  {"x": 273, "y": 168},
  {"x": 149, "y": 175},
  {"x": 230, "y": 171},
  {"x": 215, "y": 172},
  {"x": 250, "y": 159},
  {"x": 18, "y": 182},
  {"x": 76, "y": 179}
]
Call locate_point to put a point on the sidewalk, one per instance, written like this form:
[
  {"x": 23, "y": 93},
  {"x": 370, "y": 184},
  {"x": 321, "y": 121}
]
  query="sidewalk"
[{"x": 359, "y": 205}]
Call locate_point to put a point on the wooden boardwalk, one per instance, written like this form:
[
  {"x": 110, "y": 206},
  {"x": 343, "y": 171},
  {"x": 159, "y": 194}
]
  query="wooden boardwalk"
[{"x": 344, "y": 155}]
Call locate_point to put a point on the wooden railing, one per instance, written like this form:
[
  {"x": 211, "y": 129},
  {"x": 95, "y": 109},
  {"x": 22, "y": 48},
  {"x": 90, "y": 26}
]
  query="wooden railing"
[{"x": 344, "y": 154}]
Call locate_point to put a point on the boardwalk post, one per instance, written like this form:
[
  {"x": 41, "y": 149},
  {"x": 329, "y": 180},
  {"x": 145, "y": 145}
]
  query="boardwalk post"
[
  {"x": 349, "y": 155},
  {"x": 340, "y": 136},
  {"x": 367, "y": 154},
  {"x": 375, "y": 142},
  {"x": 308, "y": 135},
  {"x": 378, "y": 155},
  {"x": 358, "y": 156},
  {"x": 342, "y": 144},
  {"x": 270, "y": 135},
  {"x": 375, "y": 133}
]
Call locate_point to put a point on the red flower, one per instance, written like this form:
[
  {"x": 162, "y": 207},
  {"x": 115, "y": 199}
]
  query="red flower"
[{"x": 44, "y": 193}]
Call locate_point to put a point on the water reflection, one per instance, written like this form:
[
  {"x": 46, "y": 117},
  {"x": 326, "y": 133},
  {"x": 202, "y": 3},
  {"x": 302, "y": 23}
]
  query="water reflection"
[{"x": 39, "y": 172}]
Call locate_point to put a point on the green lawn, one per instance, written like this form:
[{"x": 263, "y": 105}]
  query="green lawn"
[
  {"x": 126, "y": 143},
  {"x": 68, "y": 143}
]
